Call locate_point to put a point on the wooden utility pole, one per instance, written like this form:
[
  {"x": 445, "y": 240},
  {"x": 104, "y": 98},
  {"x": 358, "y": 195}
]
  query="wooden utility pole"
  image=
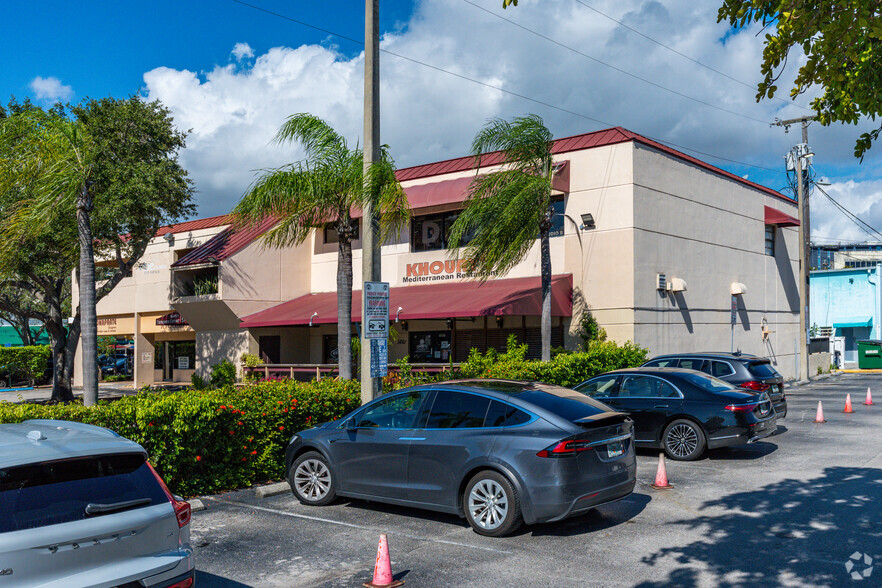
[
  {"x": 801, "y": 152},
  {"x": 370, "y": 238}
]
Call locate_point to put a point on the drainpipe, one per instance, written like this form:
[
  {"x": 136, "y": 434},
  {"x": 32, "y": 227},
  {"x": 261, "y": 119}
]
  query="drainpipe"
[{"x": 877, "y": 311}]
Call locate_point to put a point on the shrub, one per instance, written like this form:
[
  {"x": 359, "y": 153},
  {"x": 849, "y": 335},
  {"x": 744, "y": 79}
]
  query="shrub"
[
  {"x": 222, "y": 374},
  {"x": 198, "y": 382},
  {"x": 212, "y": 440},
  {"x": 25, "y": 363},
  {"x": 118, "y": 378},
  {"x": 564, "y": 369}
]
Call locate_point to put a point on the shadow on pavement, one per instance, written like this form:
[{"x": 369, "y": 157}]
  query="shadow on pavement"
[
  {"x": 792, "y": 532},
  {"x": 206, "y": 580},
  {"x": 602, "y": 517}
]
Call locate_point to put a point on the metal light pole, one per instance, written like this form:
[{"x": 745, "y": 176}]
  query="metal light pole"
[{"x": 370, "y": 238}]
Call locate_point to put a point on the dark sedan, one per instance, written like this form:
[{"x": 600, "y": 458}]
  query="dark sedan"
[
  {"x": 496, "y": 452},
  {"x": 684, "y": 411}
]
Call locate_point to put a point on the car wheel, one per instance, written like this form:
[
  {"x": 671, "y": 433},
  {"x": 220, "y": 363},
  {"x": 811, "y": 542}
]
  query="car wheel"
[
  {"x": 491, "y": 504},
  {"x": 683, "y": 440},
  {"x": 311, "y": 480}
]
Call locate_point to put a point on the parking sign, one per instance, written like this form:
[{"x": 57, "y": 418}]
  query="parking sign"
[{"x": 375, "y": 310}]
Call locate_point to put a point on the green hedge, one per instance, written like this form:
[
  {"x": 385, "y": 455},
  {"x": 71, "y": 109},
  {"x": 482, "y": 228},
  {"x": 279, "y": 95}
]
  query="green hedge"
[
  {"x": 24, "y": 363},
  {"x": 565, "y": 369},
  {"x": 211, "y": 440}
]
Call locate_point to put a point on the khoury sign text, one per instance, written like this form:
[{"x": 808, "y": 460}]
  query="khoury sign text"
[{"x": 438, "y": 270}]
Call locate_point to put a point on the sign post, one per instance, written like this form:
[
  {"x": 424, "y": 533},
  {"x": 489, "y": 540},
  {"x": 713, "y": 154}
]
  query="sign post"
[{"x": 375, "y": 324}]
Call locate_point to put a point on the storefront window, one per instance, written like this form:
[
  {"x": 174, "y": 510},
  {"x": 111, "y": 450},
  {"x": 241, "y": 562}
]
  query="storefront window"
[
  {"x": 430, "y": 347},
  {"x": 184, "y": 357},
  {"x": 432, "y": 231},
  {"x": 331, "y": 235}
]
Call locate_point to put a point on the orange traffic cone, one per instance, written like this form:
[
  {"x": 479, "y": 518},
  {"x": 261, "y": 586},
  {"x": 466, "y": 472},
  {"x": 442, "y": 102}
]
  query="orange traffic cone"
[
  {"x": 848, "y": 403},
  {"x": 869, "y": 401},
  {"x": 383, "y": 568},
  {"x": 661, "y": 475},
  {"x": 819, "y": 418}
]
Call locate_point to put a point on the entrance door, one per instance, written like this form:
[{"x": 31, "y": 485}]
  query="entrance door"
[{"x": 270, "y": 348}]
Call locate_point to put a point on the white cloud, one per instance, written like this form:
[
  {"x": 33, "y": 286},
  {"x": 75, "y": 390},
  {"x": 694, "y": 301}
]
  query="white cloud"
[
  {"x": 50, "y": 89},
  {"x": 428, "y": 115},
  {"x": 242, "y": 50},
  {"x": 862, "y": 198}
]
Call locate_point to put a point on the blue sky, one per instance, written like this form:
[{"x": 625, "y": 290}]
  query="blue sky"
[{"x": 231, "y": 73}]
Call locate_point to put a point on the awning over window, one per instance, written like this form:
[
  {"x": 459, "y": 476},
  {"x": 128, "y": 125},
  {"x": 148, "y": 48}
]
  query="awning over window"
[
  {"x": 853, "y": 321},
  {"x": 780, "y": 219},
  {"x": 511, "y": 297}
]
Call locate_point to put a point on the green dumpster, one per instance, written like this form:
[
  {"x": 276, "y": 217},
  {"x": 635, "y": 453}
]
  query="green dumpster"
[{"x": 870, "y": 354}]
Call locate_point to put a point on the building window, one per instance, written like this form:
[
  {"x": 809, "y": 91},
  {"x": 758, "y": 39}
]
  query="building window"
[
  {"x": 860, "y": 264},
  {"x": 432, "y": 231},
  {"x": 557, "y": 222},
  {"x": 331, "y": 235},
  {"x": 770, "y": 240},
  {"x": 430, "y": 347}
]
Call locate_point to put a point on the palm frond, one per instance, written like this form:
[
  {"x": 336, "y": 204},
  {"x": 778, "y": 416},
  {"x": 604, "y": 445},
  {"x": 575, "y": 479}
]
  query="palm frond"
[{"x": 319, "y": 140}]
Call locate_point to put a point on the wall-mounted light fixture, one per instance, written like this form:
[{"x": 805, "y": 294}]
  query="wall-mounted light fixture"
[
  {"x": 169, "y": 238},
  {"x": 737, "y": 288},
  {"x": 450, "y": 323},
  {"x": 315, "y": 314},
  {"x": 398, "y": 312},
  {"x": 677, "y": 285},
  {"x": 499, "y": 322},
  {"x": 404, "y": 325},
  {"x": 587, "y": 222}
]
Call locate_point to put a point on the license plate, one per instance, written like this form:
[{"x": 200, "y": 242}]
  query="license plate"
[{"x": 615, "y": 449}]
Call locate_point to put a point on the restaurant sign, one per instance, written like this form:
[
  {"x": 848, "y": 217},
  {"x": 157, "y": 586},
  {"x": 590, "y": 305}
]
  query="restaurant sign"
[{"x": 438, "y": 270}]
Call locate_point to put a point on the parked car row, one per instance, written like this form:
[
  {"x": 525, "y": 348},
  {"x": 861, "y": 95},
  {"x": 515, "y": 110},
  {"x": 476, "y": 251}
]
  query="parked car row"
[{"x": 502, "y": 453}]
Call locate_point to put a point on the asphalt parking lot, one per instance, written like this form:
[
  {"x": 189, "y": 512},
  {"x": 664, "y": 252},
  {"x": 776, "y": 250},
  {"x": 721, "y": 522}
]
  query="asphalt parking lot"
[{"x": 790, "y": 511}]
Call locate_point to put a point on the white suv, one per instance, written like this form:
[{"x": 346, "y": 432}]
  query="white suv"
[{"x": 80, "y": 506}]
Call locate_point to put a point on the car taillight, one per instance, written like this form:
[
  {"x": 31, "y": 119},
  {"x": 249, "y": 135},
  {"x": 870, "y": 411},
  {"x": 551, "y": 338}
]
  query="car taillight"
[
  {"x": 182, "y": 507},
  {"x": 565, "y": 449},
  {"x": 185, "y": 583},
  {"x": 742, "y": 407},
  {"x": 754, "y": 385}
]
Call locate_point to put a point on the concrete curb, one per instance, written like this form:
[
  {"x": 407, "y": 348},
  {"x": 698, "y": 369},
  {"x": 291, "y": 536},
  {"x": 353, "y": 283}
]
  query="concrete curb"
[
  {"x": 196, "y": 505},
  {"x": 795, "y": 384},
  {"x": 272, "y": 489}
]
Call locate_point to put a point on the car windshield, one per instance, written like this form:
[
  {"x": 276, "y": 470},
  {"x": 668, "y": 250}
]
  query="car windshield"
[{"x": 705, "y": 382}]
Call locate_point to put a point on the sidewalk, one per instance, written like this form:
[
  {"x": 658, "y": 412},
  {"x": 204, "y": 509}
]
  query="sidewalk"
[{"x": 41, "y": 393}]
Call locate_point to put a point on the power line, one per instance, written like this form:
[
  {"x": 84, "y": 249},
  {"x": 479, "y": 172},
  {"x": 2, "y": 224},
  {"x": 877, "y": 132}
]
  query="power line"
[
  {"x": 683, "y": 55},
  {"x": 865, "y": 227},
  {"x": 491, "y": 86},
  {"x": 618, "y": 69}
]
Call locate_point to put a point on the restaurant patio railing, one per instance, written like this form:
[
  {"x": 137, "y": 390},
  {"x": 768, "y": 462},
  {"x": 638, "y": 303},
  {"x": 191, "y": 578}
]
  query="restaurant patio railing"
[{"x": 308, "y": 371}]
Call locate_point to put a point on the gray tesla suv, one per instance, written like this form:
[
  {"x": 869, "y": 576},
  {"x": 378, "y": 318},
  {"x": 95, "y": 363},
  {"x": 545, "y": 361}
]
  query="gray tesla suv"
[
  {"x": 80, "y": 506},
  {"x": 496, "y": 452}
]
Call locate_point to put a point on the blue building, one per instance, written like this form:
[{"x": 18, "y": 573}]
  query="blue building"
[{"x": 847, "y": 305}]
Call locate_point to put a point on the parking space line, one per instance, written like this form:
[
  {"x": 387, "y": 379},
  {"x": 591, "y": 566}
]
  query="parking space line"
[{"x": 353, "y": 525}]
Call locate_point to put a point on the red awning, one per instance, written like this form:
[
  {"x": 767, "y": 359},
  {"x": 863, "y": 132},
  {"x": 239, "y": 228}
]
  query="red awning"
[
  {"x": 780, "y": 219},
  {"x": 511, "y": 297}
]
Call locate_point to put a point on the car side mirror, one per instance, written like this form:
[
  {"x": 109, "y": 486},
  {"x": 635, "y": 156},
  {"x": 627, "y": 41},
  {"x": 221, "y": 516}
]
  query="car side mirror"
[{"x": 350, "y": 425}]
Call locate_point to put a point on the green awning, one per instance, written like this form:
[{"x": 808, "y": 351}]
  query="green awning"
[{"x": 853, "y": 321}]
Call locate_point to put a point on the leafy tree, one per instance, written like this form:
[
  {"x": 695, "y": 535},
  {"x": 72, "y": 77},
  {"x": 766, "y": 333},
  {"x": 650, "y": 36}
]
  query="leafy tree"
[
  {"x": 18, "y": 308},
  {"x": 842, "y": 42},
  {"x": 507, "y": 209},
  {"x": 324, "y": 190},
  {"x": 107, "y": 180}
]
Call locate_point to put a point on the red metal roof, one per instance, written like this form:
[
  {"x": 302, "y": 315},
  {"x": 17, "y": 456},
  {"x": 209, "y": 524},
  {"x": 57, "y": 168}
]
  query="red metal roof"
[
  {"x": 510, "y": 297},
  {"x": 778, "y": 218},
  {"x": 225, "y": 244},
  {"x": 578, "y": 142},
  {"x": 195, "y": 225}
]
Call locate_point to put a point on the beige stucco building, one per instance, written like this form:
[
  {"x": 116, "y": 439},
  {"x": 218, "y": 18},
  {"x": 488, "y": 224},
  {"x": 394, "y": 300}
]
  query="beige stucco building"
[{"x": 652, "y": 241}]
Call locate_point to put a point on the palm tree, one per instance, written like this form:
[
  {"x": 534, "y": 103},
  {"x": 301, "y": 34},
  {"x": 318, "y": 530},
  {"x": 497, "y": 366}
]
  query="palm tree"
[
  {"x": 48, "y": 162},
  {"x": 507, "y": 209},
  {"x": 324, "y": 190}
]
